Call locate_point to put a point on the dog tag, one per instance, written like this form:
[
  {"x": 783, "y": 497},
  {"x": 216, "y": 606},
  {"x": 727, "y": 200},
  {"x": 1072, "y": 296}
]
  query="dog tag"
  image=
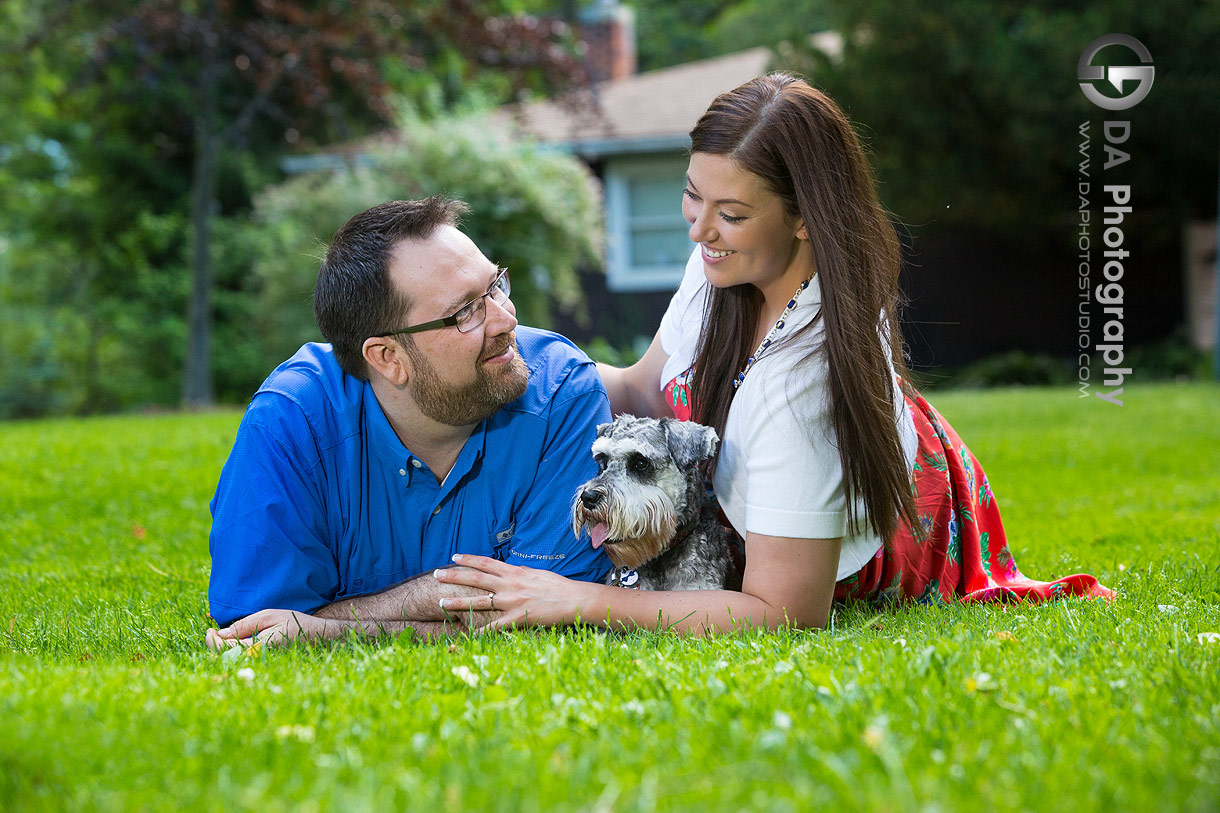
[{"x": 626, "y": 577}]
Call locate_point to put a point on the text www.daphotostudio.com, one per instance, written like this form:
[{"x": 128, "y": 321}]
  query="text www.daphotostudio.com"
[{"x": 1100, "y": 299}]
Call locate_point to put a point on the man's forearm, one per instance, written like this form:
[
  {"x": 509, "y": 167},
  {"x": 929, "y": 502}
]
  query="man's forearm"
[
  {"x": 428, "y": 630},
  {"x": 415, "y": 600}
]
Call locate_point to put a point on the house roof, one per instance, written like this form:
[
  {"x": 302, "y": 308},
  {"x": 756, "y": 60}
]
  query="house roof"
[{"x": 647, "y": 112}]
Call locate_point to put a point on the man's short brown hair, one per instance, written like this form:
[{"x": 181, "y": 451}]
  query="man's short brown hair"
[{"x": 354, "y": 297}]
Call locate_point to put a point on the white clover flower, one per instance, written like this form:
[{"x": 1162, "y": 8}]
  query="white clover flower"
[
  {"x": 304, "y": 733},
  {"x": 464, "y": 674}
]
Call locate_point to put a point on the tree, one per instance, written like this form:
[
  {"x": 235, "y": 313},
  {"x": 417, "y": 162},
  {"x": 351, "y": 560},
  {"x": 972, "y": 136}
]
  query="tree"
[{"x": 222, "y": 75}]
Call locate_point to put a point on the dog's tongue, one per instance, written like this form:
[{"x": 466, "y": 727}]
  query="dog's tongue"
[{"x": 599, "y": 532}]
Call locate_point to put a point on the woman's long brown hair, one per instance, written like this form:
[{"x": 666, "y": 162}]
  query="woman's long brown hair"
[{"x": 804, "y": 149}]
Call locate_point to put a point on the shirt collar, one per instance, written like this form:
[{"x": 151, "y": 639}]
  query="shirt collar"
[
  {"x": 382, "y": 438},
  {"x": 472, "y": 451}
]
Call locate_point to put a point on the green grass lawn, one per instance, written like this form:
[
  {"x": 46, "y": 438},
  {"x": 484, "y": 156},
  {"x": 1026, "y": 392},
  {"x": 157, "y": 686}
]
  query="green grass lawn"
[{"x": 108, "y": 699}]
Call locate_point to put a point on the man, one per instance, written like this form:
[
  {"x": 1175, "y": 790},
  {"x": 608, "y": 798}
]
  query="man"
[{"x": 429, "y": 426}]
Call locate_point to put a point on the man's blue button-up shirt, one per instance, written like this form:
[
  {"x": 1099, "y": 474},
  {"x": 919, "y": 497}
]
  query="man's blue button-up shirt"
[{"x": 320, "y": 500}]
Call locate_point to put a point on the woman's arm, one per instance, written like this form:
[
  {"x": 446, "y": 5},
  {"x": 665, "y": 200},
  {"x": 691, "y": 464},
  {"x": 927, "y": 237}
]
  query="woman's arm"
[
  {"x": 637, "y": 389},
  {"x": 787, "y": 581}
]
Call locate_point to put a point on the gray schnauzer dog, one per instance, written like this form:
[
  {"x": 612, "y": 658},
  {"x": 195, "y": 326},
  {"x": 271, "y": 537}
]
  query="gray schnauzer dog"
[{"x": 648, "y": 505}]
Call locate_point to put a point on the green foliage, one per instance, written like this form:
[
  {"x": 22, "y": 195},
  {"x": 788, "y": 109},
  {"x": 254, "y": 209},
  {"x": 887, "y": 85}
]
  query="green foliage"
[
  {"x": 64, "y": 348},
  {"x": 109, "y": 702},
  {"x": 671, "y": 33},
  {"x": 1173, "y": 359},
  {"x": 601, "y": 350},
  {"x": 1016, "y": 368},
  {"x": 105, "y": 105},
  {"x": 537, "y": 213},
  {"x": 971, "y": 111}
]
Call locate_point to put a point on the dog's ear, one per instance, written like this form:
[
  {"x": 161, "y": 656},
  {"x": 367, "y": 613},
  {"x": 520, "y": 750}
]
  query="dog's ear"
[{"x": 689, "y": 442}]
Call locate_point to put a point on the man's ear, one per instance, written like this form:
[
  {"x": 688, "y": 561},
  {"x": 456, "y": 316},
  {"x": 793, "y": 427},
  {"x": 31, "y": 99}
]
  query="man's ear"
[{"x": 386, "y": 357}]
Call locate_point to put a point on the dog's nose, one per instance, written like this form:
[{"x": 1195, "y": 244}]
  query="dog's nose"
[{"x": 589, "y": 498}]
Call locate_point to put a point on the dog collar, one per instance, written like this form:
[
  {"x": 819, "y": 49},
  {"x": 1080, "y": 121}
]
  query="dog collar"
[
  {"x": 681, "y": 535},
  {"x": 626, "y": 577}
]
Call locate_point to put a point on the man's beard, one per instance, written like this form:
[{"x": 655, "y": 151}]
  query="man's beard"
[{"x": 477, "y": 401}]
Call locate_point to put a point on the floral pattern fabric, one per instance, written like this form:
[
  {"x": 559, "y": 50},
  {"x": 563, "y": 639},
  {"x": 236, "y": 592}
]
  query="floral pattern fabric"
[
  {"x": 957, "y": 550},
  {"x": 677, "y": 395}
]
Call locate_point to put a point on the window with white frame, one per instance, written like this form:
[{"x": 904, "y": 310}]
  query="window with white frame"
[{"x": 646, "y": 235}]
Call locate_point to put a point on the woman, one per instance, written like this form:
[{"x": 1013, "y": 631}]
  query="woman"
[{"x": 783, "y": 337}]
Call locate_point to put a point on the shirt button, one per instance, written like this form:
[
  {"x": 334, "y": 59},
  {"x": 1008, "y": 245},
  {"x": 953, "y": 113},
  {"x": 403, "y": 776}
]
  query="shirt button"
[
  {"x": 436, "y": 510},
  {"x": 416, "y": 463},
  {"x": 402, "y": 472}
]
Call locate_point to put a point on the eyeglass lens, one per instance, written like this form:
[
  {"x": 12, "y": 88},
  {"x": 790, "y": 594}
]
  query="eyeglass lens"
[{"x": 474, "y": 314}]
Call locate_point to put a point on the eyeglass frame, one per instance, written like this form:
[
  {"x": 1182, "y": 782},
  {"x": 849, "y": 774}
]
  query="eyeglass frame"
[{"x": 452, "y": 319}]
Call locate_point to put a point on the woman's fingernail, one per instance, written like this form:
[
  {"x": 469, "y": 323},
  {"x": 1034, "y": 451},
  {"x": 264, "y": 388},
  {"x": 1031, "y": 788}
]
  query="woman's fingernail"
[
  {"x": 436, "y": 574},
  {"x": 457, "y": 557}
]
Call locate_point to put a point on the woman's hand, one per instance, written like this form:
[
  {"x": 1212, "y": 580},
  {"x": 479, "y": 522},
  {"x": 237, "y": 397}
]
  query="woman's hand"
[{"x": 524, "y": 596}]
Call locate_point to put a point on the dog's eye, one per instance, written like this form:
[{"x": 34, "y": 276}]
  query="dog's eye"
[
  {"x": 600, "y": 460},
  {"x": 639, "y": 464}
]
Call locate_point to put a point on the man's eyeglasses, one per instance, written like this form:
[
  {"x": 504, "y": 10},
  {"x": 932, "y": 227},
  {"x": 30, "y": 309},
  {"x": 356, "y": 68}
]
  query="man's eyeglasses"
[{"x": 470, "y": 315}]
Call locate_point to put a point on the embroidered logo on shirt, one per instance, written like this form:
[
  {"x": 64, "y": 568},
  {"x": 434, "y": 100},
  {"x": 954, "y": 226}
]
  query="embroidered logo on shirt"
[{"x": 550, "y": 557}]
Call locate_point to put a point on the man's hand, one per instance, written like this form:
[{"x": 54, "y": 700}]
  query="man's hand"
[
  {"x": 274, "y": 627},
  {"x": 413, "y": 604},
  {"x": 281, "y": 627},
  {"x": 414, "y": 600}
]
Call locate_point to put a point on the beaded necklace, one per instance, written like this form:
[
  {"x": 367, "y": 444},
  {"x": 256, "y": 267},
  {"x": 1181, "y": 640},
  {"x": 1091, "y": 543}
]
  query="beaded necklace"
[{"x": 779, "y": 325}]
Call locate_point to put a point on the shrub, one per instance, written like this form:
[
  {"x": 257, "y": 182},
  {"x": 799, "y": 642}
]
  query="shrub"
[{"x": 537, "y": 213}]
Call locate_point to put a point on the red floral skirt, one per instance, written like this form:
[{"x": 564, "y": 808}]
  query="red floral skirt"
[{"x": 959, "y": 551}]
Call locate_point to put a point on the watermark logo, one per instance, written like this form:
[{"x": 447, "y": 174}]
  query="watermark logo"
[
  {"x": 1117, "y": 75},
  {"x": 1104, "y": 254}
]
